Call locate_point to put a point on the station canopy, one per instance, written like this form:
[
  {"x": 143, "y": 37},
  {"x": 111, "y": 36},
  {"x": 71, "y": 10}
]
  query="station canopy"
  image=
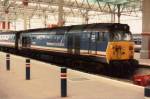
[
  {"x": 74, "y": 7},
  {"x": 74, "y": 11}
]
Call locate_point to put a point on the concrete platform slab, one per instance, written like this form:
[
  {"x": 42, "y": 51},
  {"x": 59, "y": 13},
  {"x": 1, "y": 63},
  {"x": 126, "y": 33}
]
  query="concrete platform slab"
[
  {"x": 144, "y": 62},
  {"x": 45, "y": 83}
]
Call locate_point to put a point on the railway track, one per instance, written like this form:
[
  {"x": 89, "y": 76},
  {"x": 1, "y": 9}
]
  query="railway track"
[
  {"x": 89, "y": 67},
  {"x": 129, "y": 79}
]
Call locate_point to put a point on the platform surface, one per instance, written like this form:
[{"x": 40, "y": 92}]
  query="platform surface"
[
  {"x": 45, "y": 83},
  {"x": 144, "y": 62}
]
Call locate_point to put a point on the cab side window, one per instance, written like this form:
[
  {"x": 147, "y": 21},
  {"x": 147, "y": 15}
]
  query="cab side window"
[{"x": 102, "y": 36}]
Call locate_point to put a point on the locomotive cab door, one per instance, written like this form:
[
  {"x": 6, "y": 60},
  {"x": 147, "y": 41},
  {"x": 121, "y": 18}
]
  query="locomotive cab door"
[
  {"x": 70, "y": 43},
  {"x": 76, "y": 44},
  {"x": 26, "y": 41},
  {"x": 73, "y": 43},
  {"x": 93, "y": 46}
]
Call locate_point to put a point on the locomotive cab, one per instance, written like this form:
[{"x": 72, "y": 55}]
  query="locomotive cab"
[{"x": 120, "y": 46}]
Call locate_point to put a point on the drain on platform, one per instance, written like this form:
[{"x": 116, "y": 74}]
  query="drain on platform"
[{"x": 78, "y": 79}]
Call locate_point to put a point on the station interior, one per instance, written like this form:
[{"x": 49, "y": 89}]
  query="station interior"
[{"x": 75, "y": 49}]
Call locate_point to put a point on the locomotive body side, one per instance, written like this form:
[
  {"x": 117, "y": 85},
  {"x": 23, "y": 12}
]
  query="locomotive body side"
[{"x": 107, "y": 43}]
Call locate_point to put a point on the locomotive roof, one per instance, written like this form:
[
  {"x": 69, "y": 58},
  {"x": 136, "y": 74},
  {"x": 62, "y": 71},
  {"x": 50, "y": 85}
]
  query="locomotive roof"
[
  {"x": 77, "y": 27},
  {"x": 9, "y": 32},
  {"x": 74, "y": 27}
]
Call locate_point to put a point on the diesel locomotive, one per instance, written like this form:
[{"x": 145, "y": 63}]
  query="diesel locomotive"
[{"x": 102, "y": 47}]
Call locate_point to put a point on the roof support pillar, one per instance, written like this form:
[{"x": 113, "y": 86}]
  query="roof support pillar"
[
  {"x": 113, "y": 17},
  {"x": 85, "y": 17},
  {"x": 145, "y": 52},
  {"x": 60, "y": 13},
  {"x": 6, "y": 20},
  {"x": 119, "y": 12},
  {"x": 45, "y": 19},
  {"x": 25, "y": 17},
  {"x": 27, "y": 24}
]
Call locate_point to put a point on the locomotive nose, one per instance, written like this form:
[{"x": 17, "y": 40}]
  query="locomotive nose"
[{"x": 119, "y": 51}]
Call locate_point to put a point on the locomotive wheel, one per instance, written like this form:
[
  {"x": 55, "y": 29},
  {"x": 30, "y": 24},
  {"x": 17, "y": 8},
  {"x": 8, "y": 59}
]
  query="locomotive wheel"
[
  {"x": 123, "y": 69},
  {"x": 127, "y": 69},
  {"x": 118, "y": 69},
  {"x": 135, "y": 64}
]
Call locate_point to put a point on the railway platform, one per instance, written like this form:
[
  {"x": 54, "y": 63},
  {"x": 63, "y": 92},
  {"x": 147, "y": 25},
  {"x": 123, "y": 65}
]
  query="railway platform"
[
  {"x": 45, "y": 83},
  {"x": 142, "y": 62}
]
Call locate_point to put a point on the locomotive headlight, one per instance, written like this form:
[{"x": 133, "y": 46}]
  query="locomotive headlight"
[
  {"x": 123, "y": 48},
  {"x": 131, "y": 55},
  {"x": 111, "y": 46},
  {"x": 130, "y": 47}
]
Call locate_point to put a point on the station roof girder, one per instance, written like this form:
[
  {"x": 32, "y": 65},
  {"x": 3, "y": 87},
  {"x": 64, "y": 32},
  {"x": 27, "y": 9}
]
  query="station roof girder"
[{"x": 71, "y": 7}]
